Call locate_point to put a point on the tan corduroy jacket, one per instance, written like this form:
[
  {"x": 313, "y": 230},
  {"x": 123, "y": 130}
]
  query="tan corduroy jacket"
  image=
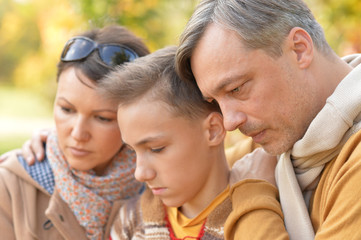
[{"x": 28, "y": 211}]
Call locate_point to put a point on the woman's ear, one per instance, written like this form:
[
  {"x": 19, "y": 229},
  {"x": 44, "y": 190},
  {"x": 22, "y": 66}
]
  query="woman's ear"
[
  {"x": 301, "y": 44},
  {"x": 215, "y": 131}
]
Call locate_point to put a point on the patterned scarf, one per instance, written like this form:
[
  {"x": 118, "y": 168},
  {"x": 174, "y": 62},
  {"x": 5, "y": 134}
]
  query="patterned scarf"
[
  {"x": 298, "y": 170},
  {"x": 89, "y": 196}
]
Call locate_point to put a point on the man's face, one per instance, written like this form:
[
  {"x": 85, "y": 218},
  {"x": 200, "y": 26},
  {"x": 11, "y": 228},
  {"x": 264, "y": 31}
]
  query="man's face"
[{"x": 266, "y": 98}]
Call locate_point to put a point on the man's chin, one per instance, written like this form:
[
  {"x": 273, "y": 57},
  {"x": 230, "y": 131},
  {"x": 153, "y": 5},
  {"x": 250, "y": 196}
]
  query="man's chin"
[{"x": 275, "y": 149}]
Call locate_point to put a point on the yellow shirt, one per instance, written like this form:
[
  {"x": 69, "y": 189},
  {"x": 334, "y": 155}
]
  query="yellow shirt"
[
  {"x": 183, "y": 226},
  {"x": 238, "y": 149}
]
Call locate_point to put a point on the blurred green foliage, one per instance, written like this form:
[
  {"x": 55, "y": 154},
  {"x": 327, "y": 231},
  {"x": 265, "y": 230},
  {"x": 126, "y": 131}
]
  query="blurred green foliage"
[
  {"x": 33, "y": 32},
  {"x": 341, "y": 21}
]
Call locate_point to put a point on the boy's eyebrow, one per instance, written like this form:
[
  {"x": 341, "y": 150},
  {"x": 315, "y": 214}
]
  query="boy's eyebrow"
[
  {"x": 105, "y": 110},
  {"x": 148, "y": 139}
]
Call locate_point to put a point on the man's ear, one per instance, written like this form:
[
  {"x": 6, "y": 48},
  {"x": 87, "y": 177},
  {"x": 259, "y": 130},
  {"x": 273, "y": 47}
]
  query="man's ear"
[
  {"x": 215, "y": 131},
  {"x": 301, "y": 44}
]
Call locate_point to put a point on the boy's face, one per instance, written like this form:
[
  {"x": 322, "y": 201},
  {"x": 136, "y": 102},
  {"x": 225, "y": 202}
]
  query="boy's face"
[{"x": 171, "y": 151}]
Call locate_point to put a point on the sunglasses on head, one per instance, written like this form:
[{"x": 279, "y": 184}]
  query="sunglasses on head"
[{"x": 79, "y": 48}]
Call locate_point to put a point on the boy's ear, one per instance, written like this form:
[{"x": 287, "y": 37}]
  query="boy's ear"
[
  {"x": 214, "y": 128},
  {"x": 301, "y": 44}
]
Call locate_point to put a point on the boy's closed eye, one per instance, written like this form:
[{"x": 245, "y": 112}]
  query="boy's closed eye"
[
  {"x": 103, "y": 119},
  {"x": 157, "y": 149}
]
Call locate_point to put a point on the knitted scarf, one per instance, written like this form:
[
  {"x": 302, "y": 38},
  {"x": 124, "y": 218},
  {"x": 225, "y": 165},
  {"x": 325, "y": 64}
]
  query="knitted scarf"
[
  {"x": 298, "y": 170},
  {"x": 89, "y": 196}
]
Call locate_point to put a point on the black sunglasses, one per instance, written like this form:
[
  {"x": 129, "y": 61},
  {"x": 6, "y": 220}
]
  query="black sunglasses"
[{"x": 78, "y": 48}]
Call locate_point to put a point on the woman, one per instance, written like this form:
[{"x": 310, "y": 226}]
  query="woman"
[{"x": 87, "y": 171}]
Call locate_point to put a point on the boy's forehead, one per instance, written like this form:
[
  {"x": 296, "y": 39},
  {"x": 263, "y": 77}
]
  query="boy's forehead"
[{"x": 147, "y": 119}]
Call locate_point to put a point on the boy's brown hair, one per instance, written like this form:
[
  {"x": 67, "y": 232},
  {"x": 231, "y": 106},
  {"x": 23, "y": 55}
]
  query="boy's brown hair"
[{"x": 154, "y": 76}]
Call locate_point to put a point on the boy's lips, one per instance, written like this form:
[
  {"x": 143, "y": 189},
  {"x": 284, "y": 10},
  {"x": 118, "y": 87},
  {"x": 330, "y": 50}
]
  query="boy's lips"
[{"x": 158, "y": 190}]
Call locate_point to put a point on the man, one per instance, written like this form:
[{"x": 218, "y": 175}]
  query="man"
[{"x": 276, "y": 79}]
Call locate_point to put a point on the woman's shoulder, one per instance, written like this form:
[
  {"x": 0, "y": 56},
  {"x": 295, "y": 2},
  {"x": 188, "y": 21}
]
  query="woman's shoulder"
[
  {"x": 41, "y": 172},
  {"x": 16, "y": 167},
  {"x": 11, "y": 164},
  {"x": 12, "y": 174}
]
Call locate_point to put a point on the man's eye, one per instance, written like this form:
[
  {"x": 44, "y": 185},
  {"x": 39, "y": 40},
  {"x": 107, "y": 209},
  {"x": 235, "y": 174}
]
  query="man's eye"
[{"x": 237, "y": 89}]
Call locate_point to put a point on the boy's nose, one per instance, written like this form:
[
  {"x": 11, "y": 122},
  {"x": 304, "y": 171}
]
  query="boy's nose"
[{"x": 144, "y": 172}]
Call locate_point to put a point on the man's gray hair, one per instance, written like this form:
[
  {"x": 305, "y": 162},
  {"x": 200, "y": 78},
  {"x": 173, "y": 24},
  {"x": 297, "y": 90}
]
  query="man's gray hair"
[{"x": 260, "y": 24}]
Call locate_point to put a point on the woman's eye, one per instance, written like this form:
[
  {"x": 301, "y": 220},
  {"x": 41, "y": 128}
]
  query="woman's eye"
[
  {"x": 66, "y": 110},
  {"x": 157, "y": 150}
]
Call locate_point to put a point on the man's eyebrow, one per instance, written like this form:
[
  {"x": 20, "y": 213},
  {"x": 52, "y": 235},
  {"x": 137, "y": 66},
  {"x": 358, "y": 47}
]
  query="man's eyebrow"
[{"x": 222, "y": 84}]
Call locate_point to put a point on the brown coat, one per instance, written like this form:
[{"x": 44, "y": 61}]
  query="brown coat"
[{"x": 26, "y": 208}]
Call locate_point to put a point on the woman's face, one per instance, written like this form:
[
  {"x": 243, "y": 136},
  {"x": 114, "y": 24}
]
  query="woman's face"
[{"x": 86, "y": 123}]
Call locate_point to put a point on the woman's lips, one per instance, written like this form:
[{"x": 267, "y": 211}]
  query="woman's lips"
[{"x": 78, "y": 152}]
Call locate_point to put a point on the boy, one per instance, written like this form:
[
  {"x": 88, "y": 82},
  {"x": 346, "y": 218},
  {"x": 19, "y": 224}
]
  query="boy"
[{"x": 178, "y": 139}]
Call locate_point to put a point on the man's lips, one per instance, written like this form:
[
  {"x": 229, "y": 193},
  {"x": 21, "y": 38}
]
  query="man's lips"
[{"x": 257, "y": 136}]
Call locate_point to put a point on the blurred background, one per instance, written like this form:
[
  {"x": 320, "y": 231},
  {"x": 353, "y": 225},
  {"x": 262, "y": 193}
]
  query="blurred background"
[{"x": 33, "y": 32}]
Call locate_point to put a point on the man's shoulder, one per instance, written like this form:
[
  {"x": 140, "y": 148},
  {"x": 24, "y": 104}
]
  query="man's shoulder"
[
  {"x": 349, "y": 157},
  {"x": 353, "y": 145}
]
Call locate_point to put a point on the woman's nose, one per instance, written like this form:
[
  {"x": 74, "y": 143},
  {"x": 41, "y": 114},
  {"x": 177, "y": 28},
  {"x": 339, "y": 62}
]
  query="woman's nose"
[{"x": 80, "y": 131}]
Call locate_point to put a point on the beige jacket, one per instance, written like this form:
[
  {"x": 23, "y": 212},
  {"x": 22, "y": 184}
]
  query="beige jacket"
[{"x": 28, "y": 211}]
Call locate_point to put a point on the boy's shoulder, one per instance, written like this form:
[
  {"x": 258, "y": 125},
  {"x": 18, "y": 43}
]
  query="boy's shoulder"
[
  {"x": 141, "y": 216},
  {"x": 144, "y": 208},
  {"x": 216, "y": 220}
]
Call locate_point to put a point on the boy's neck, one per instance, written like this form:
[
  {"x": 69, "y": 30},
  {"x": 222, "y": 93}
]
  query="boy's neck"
[{"x": 216, "y": 183}]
